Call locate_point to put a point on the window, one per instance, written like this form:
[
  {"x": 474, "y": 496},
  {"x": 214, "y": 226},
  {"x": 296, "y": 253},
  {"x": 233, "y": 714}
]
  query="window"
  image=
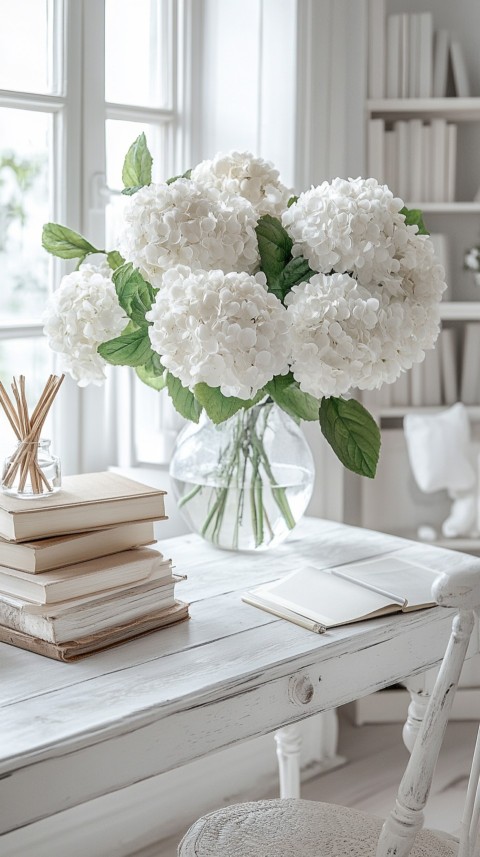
[{"x": 67, "y": 118}]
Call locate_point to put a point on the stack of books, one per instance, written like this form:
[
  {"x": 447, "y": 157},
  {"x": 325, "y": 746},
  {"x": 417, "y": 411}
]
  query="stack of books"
[{"x": 76, "y": 575}]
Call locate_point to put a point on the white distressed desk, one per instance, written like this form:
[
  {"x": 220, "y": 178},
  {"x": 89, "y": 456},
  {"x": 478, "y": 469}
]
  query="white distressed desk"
[{"x": 71, "y": 732}]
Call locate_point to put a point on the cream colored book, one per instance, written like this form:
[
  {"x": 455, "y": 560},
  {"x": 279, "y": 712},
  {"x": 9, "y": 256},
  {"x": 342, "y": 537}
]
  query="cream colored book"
[
  {"x": 71, "y": 650},
  {"x": 89, "y": 501},
  {"x": 319, "y": 599},
  {"x": 63, "y": 620},
  {"x": 60, "y": 551},
  {"x": 86, "y": 578}
]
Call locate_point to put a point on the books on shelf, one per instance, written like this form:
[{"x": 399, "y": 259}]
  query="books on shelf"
[
  {"x": 69, "y": 595},
  {"x": 407, "y": 58},
  {"x": 57, "y": 551},
  {"x": 86, "y": 502},
  {"x": 448, "y": 360},
  {"x": 470, "y": 380},
  {"x": 416, "y": 159},
  {"x": 320, "y": 599}
]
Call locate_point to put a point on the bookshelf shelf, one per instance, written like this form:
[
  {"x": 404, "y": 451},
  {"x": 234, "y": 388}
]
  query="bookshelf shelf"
[
  {"x": 399, "y": 411},
  {"x": 447, "y": 207},
  {"x": 460, "y": 310},
  {"x": 454, "y": 109}
]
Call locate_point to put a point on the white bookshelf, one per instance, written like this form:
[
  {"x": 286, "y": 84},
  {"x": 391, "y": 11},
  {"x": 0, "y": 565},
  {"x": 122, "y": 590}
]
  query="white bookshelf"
[{"x": 392, "y": 502}]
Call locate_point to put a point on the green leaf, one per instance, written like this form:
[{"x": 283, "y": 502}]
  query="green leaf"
[
  {"x": 219, "y": 407},
  {"x": 137, "y": 166},
  {"x": 153, "y": 373},
  {"x": 414, "y": 217},
  {"x": 183, "y": 399},
  {"x": 128, "y": 349},
  {"x": 115, "y": 259},
  {"x": 186, "y": 175},
  {"x": 292, "y": 201},
  {"x": 296, "y": 271},
  {"x": 286, "y": 392},
  {"x": 275, "y": 247},
  {"x": 65, "y": 243},
  {"x": 352, "y": 433},
  {"x": 129, "y": 191},
  {"x": 135, "y": 295}
]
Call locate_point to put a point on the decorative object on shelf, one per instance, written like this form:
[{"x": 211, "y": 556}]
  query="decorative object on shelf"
[
  {"x": 31, "y": 470},
  {"x": 441, "y": 457},
  {"x": 245, "y": 483},
  {"x": 471, "y": 262},
  {"x": 229, "y": 291}
]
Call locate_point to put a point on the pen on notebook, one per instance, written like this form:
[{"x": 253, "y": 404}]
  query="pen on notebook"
[{"x": 309, "y": 624}]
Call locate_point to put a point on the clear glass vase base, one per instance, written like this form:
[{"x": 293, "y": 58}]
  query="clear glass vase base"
[{"x": 243, "y": 485}]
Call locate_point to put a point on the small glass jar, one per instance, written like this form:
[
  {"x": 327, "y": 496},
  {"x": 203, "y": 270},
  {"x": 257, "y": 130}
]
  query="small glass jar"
[{"x": 31, "y": 471}]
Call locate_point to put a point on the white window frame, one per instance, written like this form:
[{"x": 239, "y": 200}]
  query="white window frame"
[{"x": 93, "y": 427}]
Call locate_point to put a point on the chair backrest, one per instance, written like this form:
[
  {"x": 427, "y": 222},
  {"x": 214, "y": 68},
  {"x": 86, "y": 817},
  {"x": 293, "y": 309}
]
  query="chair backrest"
[{"x": 461, "y": 590}]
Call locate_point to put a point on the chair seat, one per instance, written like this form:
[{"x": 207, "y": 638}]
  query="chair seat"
[{"x": 296, "y": 828}]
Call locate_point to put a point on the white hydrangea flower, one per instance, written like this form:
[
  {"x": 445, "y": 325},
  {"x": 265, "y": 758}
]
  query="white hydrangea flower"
[
  {"x": 82, "y": 313},
  {"x": 352, "y": 226},
  {"x": 243, "y": 174},
  {"x": 225, "y": 330},
  {"x": 186, "y": 224},
  {"x": 344, "y": 335}
]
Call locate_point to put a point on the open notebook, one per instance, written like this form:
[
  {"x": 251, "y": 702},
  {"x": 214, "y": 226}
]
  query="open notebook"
[{"x": 319, "y": 599}]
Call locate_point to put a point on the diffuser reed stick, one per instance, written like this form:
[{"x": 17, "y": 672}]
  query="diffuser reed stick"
[{"x": 28, "y": 430}]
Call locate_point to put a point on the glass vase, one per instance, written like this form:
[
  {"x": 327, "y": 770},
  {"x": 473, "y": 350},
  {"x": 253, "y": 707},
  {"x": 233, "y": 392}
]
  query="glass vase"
[
  {"x": 31, "y": 471},
  {"x": 243, "y": 484}
]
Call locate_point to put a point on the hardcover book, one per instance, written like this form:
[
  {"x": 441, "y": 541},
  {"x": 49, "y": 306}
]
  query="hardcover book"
[
  {"x": 320, "y": 599},
  {"x": 71, "y": 650},
  {"x": 59, "y": 551},
  {"x": 86, "y": 578},
  {"x": 89, "y": 501}
]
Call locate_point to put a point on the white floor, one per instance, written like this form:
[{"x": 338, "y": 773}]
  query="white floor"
[{"x": 376, "y": 760}]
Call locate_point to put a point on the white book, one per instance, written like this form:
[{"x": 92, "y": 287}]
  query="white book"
[
  {"x": 417, "y": 385},
  {"x": 391, "y": 166},
  {"x": 57, "y": 624},
  {"x": 426, "y": 54},
  {"x": 432, "y": 394},
  {"x": 403, "y": 159},
  {"x": 441, "y": 246},
  {"x": 376, "y": 155},
  {"x": 416, "y": 160},
  {"x": 448, "y": 360},
  {"x": 469, "y": 389},
  {"x": 440, "y": 64},
  {"x": 414, "y": 56},
  {"x": 376, "y": 48},
  {"x": 119, "y": 570},
  {"x": 404, "y": 53},
  {"x": 451, "y": 159},
  {"x": 427, "y": 179},
  {"x": 459, "y": 70},
  {"x": 401, "y": 390},
  {"x": 393, "y": 56},
  {"x": 439, "y": 160}
]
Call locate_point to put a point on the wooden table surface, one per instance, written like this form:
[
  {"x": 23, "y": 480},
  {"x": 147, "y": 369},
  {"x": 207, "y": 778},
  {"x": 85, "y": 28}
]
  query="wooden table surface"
[{"x": 71, "y": 732}]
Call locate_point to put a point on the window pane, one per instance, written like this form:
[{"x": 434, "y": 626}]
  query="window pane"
[
  {"x": 24, "y": 208},
  {"x": 136, "y": 50},
  {"x": 32, "y": 358},
  {"x": 26, "y": 49}
]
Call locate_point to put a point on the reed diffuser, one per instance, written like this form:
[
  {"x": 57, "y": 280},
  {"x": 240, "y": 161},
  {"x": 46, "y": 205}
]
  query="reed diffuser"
[{"x": 31, "y": 470}]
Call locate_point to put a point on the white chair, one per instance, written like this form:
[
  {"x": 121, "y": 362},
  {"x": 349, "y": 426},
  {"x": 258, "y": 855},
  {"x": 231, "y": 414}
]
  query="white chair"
[{"x": 299, "y": 828}]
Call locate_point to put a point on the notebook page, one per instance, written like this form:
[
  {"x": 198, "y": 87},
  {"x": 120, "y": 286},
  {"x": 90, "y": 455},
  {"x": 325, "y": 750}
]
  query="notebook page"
[
  {"x": 322, "y": 597},
  {"x": 394, "y": 577}
]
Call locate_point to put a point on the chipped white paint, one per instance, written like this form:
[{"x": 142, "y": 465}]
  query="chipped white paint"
[{"x": 231, "y": 673}]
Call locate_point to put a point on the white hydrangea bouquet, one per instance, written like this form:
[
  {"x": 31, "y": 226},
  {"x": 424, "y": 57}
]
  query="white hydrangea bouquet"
[{"x": 229, "y": 291}]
